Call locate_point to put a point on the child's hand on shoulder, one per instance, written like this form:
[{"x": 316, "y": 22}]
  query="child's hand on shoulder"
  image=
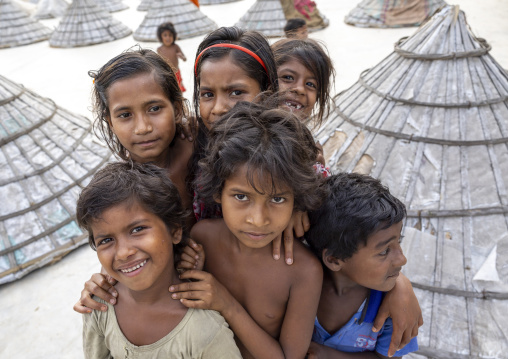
[
  {"x": 99, "y": 285},
  {"x": 193, "y": 257},
  {"x": 297, "y": 226},
  {"x": 189, "y": 127},
  {"x": 204, "y": 292}
]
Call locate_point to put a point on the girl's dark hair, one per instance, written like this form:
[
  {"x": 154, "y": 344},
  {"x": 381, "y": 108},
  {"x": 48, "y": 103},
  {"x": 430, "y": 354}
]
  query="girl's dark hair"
[
  {"x": 251, "y": 40},
  {"x": 267, "y": 79},
  {"x": 356, "y": 207},
  {"x": 120, "y": 182},
  {"x": 128, "y": 64},
  {"x": 167, "y": 26},
  {"x": 315, "y": 58},
  {"x": 269, "y": 141}
]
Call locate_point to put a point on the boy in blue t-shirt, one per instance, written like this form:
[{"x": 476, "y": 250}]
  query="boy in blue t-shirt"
[{"x": 356, "y": 233}]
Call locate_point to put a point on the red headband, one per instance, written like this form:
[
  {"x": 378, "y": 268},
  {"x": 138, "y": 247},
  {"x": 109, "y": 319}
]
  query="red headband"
[{"x": 233, "y": 46}]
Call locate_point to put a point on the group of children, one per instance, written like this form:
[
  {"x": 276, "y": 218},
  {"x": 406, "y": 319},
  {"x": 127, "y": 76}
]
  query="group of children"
[{"x": 189, "y": 233}]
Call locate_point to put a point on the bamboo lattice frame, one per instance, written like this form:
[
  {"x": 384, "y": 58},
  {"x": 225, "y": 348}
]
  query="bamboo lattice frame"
[
  {"x": 112, "y": 5},
  {"x": 18, "y": 28},
  {"x": 46, "y": 155},
  {"x": 392, "y": 13},
  {"x": 48, "y": 9},
  {"x": 431, "y": 122},
  {"x": 85, "y": 23},
  {"x": 184, "y": 15}
]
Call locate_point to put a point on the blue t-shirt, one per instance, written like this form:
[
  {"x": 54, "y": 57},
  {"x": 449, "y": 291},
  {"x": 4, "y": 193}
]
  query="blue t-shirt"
[{"x": 357, "y": 335}]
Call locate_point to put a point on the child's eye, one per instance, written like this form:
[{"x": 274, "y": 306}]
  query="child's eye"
[
  {"x": 311, "y": 84},
  {"x": 154, "y": 109},
  {"x": 206, "y": 94},
  {"x": 104, "y": 241},
  {"x": 241, "y": 197},
  {"x": 124, "y": 115},
  {"x": 287, "y": 77},
  {"x": 138, "y": 229},
  {"x": 236, "y": 93},
  {"x": 278, "y": 200},
  {"x": 385, "y": 252}
]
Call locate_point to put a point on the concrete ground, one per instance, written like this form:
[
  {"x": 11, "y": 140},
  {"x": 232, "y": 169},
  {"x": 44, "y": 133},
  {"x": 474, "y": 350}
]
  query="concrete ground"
[{"x": 36, "y": 316}]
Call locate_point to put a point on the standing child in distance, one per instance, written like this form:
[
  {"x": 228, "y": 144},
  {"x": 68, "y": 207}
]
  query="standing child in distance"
[
  {"x": 135, "y": 222},
  {"x": 356, "y": 233},
  {"x": 296, "y": 28},
  {"x": 166, "y": 34},
  {"x": 259, "y": 168}
]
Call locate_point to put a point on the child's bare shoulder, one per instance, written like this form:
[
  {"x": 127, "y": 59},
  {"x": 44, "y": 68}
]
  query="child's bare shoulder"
[
  {"x": 208, "y": 229},
  {"x": 305, "y": 262}
]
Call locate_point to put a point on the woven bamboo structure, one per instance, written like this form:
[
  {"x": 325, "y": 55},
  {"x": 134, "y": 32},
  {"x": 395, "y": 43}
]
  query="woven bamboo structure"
[
  {"x": 431, "y": 122},
  {"x": 18, "y": 28},
  {"x": 48, "y": 9},
  {"x": 270, "y": 16},
  {"x": 144, "y": 5},
  {"x": 392, "y": 13},
  {"x": 184, "y": 15},
  {"x": 85, "y": 23},
  {"x": 215, "y": 2},
  {"x": 112, "y": 5},
  {"x": 46, "y": 154}
]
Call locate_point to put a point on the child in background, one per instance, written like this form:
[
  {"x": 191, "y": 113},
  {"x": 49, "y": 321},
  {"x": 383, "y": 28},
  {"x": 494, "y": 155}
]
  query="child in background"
[
  {"x": 356, "y": 233},
  {"x": 296, "y": 29},
  {"x": 306, "y": 75},
  {"x": 259, "y": 168},
  {"x": 166, "y": 34},
  {"x": 138, "y": 110},
  {"x": 135, "y": 222}
]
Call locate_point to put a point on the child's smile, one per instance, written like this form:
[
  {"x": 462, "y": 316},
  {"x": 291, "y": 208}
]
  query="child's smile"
[
  {"x": 302, "y": 86},
  {"x": 134, "y": 246},
  {"x": 255, "y": 218},
  {"x": 143, "y": 119}
]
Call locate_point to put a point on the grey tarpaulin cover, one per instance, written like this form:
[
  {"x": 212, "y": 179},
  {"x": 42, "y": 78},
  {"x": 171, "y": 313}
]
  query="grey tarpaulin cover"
[
  {"x": 270, "y": 16},
  {"x": 431, "y": 122},
  {"x": 46, "y": 154},
  {"x": 184, "y": 15},
  {"x": 85, "y": 23},
  {"x": 392, "y": 13},
  {"x": 47, "y": 9},
  {"x": 18, "y": 28},
  {"x": 214, "y": 2},
  {"x": 112, "y": 5}
]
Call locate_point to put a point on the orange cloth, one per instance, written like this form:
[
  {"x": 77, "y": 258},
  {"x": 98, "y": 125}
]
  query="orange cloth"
[
  {"x": 195, "y": 2},
  {"x": 179, "y": 79}
]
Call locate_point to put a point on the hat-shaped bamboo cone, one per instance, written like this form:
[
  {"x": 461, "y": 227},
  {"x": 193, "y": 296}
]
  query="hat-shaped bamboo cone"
[
  {"x": 85, "y": 23},
  {"x": 184, "y": 15},
  {"x": 112, "y": 5},
  {"x": 431, "y": 122},
  {"x": 47, "y": 9},
  {"x": 46, "y": 154},
  {"x": 215, "y": 2},
  {"x": 392, "y": 13},
  {"x": 144, "y": 5},
  {"x": 18, "y": 28},
  {"x": 270, "y": 16}
]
